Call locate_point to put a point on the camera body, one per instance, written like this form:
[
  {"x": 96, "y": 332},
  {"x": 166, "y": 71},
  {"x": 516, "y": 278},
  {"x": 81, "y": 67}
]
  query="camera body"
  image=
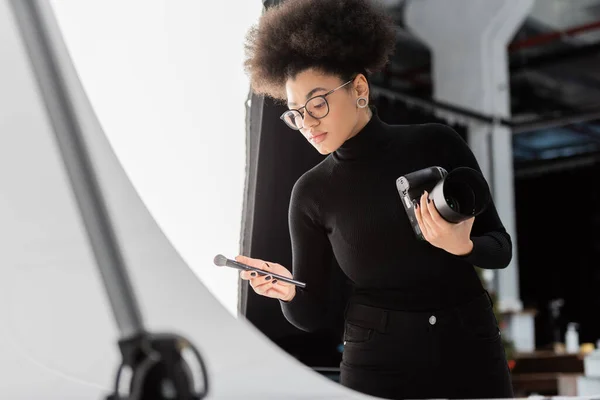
[
  {"x": 459, "y": 195},
  {"x": 411, "y": 187}
]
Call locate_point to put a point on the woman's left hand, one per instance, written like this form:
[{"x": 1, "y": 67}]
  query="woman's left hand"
[{"x": 454, "y": 238}]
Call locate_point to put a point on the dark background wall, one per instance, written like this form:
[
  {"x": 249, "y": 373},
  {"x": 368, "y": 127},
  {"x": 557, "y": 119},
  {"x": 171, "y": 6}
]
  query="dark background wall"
[{"x": 558, "y": 228}]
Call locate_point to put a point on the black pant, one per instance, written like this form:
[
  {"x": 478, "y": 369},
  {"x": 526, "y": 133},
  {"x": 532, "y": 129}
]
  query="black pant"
[{"x": 450, "y": 353}]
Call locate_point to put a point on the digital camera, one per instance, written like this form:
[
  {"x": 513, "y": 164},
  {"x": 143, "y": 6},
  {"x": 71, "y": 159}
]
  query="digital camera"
[{"x": 459, "y": 195}]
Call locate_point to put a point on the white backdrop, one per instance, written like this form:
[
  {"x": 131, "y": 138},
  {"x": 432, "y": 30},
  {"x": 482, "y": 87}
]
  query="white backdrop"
[
  {"x": 58, "y": 338},
  {"x": 165, "y": 79}
]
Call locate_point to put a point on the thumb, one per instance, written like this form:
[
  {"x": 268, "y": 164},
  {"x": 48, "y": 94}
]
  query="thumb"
[{"x": 253, "y": 262}]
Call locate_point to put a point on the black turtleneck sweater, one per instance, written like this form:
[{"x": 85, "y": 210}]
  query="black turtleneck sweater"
[{"x": 348, "y": 207}]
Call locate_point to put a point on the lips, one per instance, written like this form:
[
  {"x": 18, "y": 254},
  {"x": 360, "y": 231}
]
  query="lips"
[{"x": 319, "y": 137}]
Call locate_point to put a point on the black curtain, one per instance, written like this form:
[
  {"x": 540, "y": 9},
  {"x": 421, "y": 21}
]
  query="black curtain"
[{"x": 279, "y": 156}]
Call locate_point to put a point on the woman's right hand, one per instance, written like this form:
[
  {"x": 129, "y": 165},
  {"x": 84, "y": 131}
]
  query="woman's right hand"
[{"x": 266, "y": 285}]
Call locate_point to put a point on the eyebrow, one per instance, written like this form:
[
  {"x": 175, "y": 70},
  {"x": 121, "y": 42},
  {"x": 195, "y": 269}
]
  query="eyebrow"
[{"x": 309, "y": 94}]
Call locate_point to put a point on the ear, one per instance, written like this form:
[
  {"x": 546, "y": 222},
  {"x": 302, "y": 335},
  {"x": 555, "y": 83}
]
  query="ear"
[{"x": 361, "y": 86}]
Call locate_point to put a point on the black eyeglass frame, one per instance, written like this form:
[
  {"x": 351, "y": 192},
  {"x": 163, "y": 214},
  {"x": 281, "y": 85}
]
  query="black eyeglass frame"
[{"x": 282, "y": 117}]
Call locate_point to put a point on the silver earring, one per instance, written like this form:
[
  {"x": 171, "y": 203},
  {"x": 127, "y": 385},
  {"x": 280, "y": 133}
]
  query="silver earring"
[{"x": 363, "y": 104}]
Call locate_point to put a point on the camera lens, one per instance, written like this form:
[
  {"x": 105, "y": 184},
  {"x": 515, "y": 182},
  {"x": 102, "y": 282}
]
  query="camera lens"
[
  {"x": 460, "y": 197},
  {"x": 463, "y": 193},
  {"x": 453, "y": 204}
]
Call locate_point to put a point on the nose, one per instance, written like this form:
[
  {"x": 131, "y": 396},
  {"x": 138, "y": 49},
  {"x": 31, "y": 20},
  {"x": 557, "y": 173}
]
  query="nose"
[{"x": 309, "y": 121}]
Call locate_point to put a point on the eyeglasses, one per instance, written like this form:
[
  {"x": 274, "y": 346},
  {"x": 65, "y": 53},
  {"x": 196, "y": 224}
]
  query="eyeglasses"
[{"x": 317, "y": 107}]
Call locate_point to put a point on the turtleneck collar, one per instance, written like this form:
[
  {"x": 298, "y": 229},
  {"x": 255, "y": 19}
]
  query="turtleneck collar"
[{"x": 369, "y": 141}]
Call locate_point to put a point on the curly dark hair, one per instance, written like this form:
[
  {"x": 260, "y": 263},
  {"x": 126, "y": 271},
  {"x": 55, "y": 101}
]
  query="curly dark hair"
[{"x": 341, "y": 37}]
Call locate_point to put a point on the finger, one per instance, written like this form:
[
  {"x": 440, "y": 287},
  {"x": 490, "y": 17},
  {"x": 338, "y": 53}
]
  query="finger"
[
  {"x": 435, "y": 217},
  {"x": 278, "y": 289},
  {"x": 272, "y": 289},
  {"x": 261, "y": 287},
  {"x": 282, "y": 283},
  {"x": 260, "y": 280},
  {"x": 265, "y": 266},
  {"x": 420, "y": 220},
  {"x": 253, "y": 262},
  {"x": 274, "y": 281},
  {"x": 425, "y": 216},
  {"x": 276, "y": 292},
  {"x": 247, "y": 275}
]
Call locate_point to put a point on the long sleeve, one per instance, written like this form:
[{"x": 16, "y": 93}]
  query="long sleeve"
[
  {"x": 492, "y": 245},
  {"x": 311, "y": 261}
]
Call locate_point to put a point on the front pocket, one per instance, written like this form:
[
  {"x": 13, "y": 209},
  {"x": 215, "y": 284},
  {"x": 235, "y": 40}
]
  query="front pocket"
[
  {"x": 356, "y": 334},
  {"x": 480, "y": 324}
]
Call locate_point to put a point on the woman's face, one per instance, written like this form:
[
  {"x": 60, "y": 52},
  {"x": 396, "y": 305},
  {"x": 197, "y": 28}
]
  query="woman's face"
[{"x": 344, "y": 119}]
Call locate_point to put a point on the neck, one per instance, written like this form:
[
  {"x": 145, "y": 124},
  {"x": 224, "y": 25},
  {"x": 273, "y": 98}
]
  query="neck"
[
  {"x": 363, "y": 119},
  {"x": 371, "y": 138}
]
